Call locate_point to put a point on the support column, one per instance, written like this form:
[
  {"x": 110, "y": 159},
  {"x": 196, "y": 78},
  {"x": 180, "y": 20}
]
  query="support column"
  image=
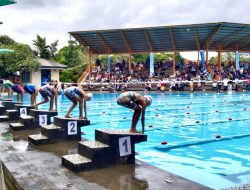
[
  {"x": 198, "y": 58},
  {"x": 219, "y": 57},
  {"x": 129, "y": 62},
  {"x": 174, "y": 64},
  {"x": 108, "y": 62},
  {"x": 206, "y": 54},
  {"x": 89, "y": 61}
]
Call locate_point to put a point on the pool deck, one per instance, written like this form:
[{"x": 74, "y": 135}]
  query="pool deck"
[{"x": 39, "y": 167}]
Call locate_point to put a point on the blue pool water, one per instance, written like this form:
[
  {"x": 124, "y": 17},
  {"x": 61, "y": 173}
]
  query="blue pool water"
[{"x": 188, "y": 123}]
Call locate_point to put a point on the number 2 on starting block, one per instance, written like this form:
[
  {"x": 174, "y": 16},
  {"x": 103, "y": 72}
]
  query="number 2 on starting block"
[{"x": 72, "y": 128}]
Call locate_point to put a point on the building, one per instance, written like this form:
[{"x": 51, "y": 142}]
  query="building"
[{"x": 47, "y": 71}]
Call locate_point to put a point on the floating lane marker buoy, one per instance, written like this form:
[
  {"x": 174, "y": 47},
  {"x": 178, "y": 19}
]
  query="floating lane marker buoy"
[
  {"x": 187, "y": 113},
  {"x": 217, "y": 136},
  {"x": 197, "y": 122},
  {"x": 216, "y": 111},
  {"x": 150, "y": 125},
  {"x": 124, "y": 117},
  {"x": 103, "y": 112},
  {"x": 164, "y": 142},
  {"x": 156, "y": 115},
  {"x": 156, "y": 109},
  {"x": 245, "y": 109},
  {"x": 230, "y": 119}
]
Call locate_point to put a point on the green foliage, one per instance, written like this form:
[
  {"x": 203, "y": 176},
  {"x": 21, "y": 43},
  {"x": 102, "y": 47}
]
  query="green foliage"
[
  {"x": 70, "y": 55},
  {"x": 72, "y": 74},
  {"x": 53, "y": 48},
  {"x": 22, "y": 59},
  {"x": 75, "y": 57},
  {"x": 45, "y": 51},
  {"x": 42, "y": 47}
]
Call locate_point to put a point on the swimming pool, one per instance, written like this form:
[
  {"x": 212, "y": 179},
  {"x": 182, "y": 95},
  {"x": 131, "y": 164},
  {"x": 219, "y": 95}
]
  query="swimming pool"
[{"x": 189, "y": 124}]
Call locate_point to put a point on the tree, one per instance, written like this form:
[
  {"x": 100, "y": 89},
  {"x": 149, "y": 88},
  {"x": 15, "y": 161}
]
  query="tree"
[
  {"x": 75, "y": 57},
  {"x": 22, "y": 59},
  {"x": 42, "y": 47},
  {"x": 45, "y": 51},
  {"x": 53, "y": 48}
]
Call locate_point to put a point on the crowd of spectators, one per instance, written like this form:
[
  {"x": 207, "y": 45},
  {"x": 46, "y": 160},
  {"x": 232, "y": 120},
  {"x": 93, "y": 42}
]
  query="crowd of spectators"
[{"x": 187, "y": 74}]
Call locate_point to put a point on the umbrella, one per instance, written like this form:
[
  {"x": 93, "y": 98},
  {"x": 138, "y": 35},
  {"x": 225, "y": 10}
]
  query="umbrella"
[
  {"x": 6, "y": 2},
  {"x": 3, "y": 51}
]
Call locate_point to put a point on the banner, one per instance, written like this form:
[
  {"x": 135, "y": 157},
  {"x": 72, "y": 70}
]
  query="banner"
[
  {"x": 151, "y": 69},
  {"x": 203, "y": 63},
  {"x": 237, "y": 61},
  {"x": 108, "y": 66}
]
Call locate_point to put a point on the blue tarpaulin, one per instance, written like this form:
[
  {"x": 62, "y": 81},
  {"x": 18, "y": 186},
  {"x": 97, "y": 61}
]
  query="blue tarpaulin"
[
  {"x": 151, "y": 64},
  {"x": 203, "y": 63},
  {"x": 237, "y": 61},
  {"x": 108, "y": 66}
]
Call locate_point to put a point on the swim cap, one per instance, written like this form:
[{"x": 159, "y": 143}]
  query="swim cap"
[
  {"x": 148, "y": 99},
  {"x": 89, "y": 95}
]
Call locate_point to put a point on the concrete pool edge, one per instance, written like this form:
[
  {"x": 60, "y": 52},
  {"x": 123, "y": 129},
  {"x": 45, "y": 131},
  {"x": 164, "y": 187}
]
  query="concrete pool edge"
[{"x": 34, "y": 169}]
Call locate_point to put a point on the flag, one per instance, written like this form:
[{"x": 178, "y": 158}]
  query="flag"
[
  {"x": 237, "y": 61},
  {"x": 203, "y": 63},
  {"x": 108, "y": 67},
  {"x": 151, "y": 69}
]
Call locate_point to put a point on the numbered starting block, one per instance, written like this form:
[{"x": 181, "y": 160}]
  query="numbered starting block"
[
  {"x": 111, "y": 147},
  {"x": 30, "y": 118},
  {"x": 63, "y": 129},
  {"x": 8, "y": 110}
]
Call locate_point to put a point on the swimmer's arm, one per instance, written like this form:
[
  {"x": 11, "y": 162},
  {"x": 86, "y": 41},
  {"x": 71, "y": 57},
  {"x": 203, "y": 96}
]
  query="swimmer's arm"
[
  {"x": 85, "y": 110},
  {"x": 143, "y": 118}
]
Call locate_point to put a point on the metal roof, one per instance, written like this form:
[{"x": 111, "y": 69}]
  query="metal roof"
[
  {"x": 47, "y": 64},
  {"x": 223, "y": 35}
]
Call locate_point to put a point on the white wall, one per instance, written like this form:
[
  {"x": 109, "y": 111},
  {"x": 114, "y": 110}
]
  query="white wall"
[
  {"x": 55, "y": 74},
  {"x": 35, "y": 78}
]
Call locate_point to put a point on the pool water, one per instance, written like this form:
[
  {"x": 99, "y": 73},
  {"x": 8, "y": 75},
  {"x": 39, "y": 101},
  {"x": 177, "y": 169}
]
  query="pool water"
[{"x": 188, "y": 123}]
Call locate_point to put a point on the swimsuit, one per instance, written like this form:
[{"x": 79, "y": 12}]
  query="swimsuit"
[
  {"x": 46, "y": 92},
  {"x": 8, "y": 84},
  {"x": 128, "y": 100},
  {"x": 72, "y": 93},
  {"x": 17, "y": 88},
  {"x": 29, "y": 88}
]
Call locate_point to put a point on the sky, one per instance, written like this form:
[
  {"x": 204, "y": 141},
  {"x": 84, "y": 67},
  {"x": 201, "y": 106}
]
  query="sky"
[{"x": 53, "y": 19}]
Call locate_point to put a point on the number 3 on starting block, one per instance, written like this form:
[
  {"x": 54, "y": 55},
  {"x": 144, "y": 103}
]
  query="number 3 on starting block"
[
  {"x": 72, "y": 128},
  {"x": 42, "y": 120}
]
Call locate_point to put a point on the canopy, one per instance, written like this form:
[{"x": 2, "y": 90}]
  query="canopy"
[
  {"x": 222, "y": 36},
  {"x": 3, "y": 51},
  {"x": 6, "y": 2}
]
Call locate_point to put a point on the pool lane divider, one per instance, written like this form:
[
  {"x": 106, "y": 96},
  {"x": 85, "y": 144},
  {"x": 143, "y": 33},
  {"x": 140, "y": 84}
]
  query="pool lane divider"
[
  {"x": 193, "y": 125},
  {"x": 193, "y": 143}
]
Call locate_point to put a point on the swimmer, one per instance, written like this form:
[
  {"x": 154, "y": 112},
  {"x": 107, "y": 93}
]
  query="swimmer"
[
  {"x": 19, "y": 90},
  {"x": 48, "y": 92},
  {"x": 33, "y": 91},
  {"x": 77, "y": 95},
  {"x": 138, "y": 103},
  {"x": 8, "y": 85}
]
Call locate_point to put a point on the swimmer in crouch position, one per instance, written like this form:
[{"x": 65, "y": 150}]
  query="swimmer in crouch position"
[
  {"x": 138, "y": 103},
  {"x": 77, "y": 95},
  {"x": 33, "y": 91}
]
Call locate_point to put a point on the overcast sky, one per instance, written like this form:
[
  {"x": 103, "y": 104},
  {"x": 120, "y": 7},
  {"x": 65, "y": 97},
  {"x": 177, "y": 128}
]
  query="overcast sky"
[{"x": 53, "y": 19}]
